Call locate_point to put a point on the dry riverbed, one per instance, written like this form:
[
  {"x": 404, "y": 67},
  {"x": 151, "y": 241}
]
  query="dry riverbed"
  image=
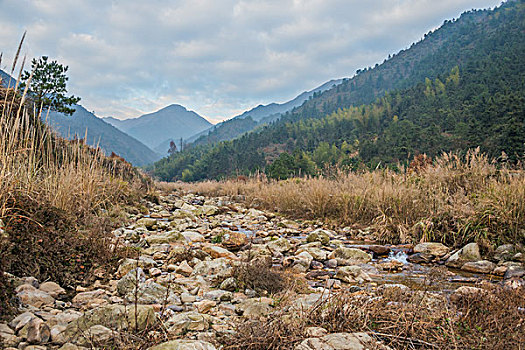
[{"x": 193, "y": 281}]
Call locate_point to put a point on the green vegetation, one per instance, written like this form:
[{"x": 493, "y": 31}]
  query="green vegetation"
[
  {"x": 56, "y": 200},
  {"x": 462, "y": 87},
  {"x": 48, "y": 86}
]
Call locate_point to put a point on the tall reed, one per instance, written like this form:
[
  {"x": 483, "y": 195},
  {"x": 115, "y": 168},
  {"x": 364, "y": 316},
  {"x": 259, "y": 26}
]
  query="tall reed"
[{"x": 454, "y": 200}]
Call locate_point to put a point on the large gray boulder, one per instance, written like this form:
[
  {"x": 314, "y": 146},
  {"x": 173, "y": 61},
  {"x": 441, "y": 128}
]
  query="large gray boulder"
[
  {"x": 468, "y": 253},
  {"x": 350, "y": 256},
  {"x": 183, "y": 344},
  {"x": 115, "y": 317},
  {"x": 341, "y": 341}
]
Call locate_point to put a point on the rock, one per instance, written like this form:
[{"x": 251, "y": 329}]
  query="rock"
[
  {"x": 379, "y": 250},
  {"x": 7, "y": 336},
  {"x": 115, "y": 317},
  {"x": 468, "y": 253},
  {"x": 504, "y": 252},
  {"x": 341, "y": 341},
  {"x": 319, "y": 235},
  {"x": 127, "y": 265},
  {"x": 392, "y": 265},
  {"x": 317, "y": 253},
  {"x": 218, "y": 295},
  {"x": 280, "y": 245},
  {"x": 350, "y": 256},
  {"x": 204, "y": 306},
  {"x": 255, "y": 307},
  {"x": 34, "y": 297},
  {"x": 219, "y": 252},
  {"x": 52, "y": 289},
  {"x": 69, "y": 346},
  {"x": 37, "y": 331},
  {"x": 127, "y": 283},
  {"x": 21, "y": 320},
  {"x": 212, "y": 269},
  {"x": 482, "y": 266},
  {"x": 146, "y": 222},
  {"x": 315, "y": 332},
  {"x": 97, "y": 334},
  {"x": 229, "y": 284},
  {"x": 184, "y": 268},
  {"x": 193, "y": 237},
  {"x": 188, "y": 321},
  {"x": 234, "y": 240},
  {"x": 352, "y": 274},
  {"x": 433, "y": 249},
  {"x": 57, "y": 334},
  {"x": 514, "y": 271},
  {"x": 182, "y": 344},
  {"x": 208, "y": 210},
  {"x": 420, "y": 258},
  {"x": 87, "y": 300},
  {"x": 150, "y": 293}
]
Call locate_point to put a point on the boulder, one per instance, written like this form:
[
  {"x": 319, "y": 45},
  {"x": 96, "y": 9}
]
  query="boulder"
[
  {"x": 352, "y": 274},
  {"x": 280, "y": 245},
  {"x": 436, "y": 250},
  {"x": 350, "y": 256},
  {"x": 98, "y": 335},
  {"x": 87, "y": 300},
  {"x": 127, "y": 265},
  {"x": 234, "y": 240},
  {"x": 183, "y": 344},
  {"x": 341, "y": 341},
  {"x": 188, "y": 321},
  {"x": 193, "y": 237},
  {"x": 34, "y": 297},
  {"x": 468, "y": 253},
  {"x": 36, "y": 331},
  {"x": 514, "y": 271},
  {"x": 52, "y": 289},
  {"x": 212, "y": 269},
  {"x": 146, "y": 222},
  {"x": 482, "y": 266},
  {"x": 115, "y": 317},
  {"x": 319, "y": 235},
  {"x": 219, "y": 252},
  {"x": 255, "y": 307}
]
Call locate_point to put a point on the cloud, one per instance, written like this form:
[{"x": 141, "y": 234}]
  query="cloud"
[{"x": 218, "y": 58}]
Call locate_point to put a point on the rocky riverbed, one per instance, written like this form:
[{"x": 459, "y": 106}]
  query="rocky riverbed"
[{"x": 181, "y": 278}]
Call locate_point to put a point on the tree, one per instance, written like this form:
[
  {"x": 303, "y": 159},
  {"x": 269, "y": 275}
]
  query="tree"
[
  {"x": 173, "y": 147},
  {"x": 48, "y": 86}
]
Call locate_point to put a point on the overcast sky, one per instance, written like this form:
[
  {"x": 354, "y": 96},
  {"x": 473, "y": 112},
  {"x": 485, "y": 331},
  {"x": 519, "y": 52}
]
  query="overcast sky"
[{"x": 216, "y": 57}]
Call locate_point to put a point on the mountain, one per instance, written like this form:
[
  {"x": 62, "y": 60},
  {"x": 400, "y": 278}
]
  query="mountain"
[
  {"x": 102, "y": 134},
  {"x": 7, "y": 80},
  {"x": 170, "y": 123},
  {"x": 257, "y": 116},
  {"x": 461, "y": 87}
]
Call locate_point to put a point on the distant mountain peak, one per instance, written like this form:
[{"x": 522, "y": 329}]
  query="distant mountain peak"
[{"x": 171, "y": 122}]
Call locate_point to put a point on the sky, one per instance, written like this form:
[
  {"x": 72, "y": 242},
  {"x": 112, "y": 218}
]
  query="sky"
[{"x": 215, "y": 57}]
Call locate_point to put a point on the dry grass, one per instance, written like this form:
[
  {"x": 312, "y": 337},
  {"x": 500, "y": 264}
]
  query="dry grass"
[
  {"x": 417, "y": 319},
  {"x": 454, "y": 200},
  {"x": 52, "y": 194}
]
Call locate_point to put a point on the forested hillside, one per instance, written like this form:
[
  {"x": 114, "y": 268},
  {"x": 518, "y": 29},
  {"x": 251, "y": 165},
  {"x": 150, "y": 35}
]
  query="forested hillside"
[{"x": 459, "y": 88}]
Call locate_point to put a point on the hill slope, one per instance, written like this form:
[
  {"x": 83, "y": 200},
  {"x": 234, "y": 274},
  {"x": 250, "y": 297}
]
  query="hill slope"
[
  {"x": 100, "y": 133},
  {"x": 249, "y": 120},
  {"x": 170, "y": 123},
  {"x": 479, "y": 103}
]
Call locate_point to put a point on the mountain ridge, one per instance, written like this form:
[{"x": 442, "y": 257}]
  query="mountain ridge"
[
  {"x": 169, "y": 123},
  {"x": 261, "y": 114},
  {"x": 101, "y": 134},
  {"x": 354, "y": 118}
]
